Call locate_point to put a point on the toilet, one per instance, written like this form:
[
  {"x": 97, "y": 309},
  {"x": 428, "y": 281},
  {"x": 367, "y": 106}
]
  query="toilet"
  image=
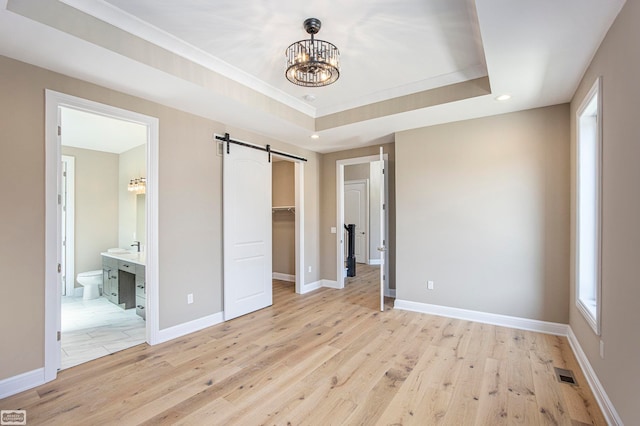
[{"x": 91, "y": 281}]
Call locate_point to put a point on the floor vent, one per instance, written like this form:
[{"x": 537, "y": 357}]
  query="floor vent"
[{"x": 565, "y": 376}]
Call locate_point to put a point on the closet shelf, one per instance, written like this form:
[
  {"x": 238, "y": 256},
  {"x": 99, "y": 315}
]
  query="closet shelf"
[{"x": 291, "y": 209}]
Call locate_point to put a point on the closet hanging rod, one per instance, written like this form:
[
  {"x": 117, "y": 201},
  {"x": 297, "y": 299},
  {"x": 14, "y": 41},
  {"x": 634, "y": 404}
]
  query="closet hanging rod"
[
  {"x": 266, "y": 149},
  {"x": 290, "y": 209}
]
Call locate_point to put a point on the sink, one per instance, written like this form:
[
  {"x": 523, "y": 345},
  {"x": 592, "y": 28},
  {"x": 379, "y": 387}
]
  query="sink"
[
  {"x": 118, "y": 251},
  {"x": 128, "y": 255},
  {"x": 133, "y": 256}
]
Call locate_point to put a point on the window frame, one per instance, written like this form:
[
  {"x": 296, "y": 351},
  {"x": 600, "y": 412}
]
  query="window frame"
[{"x": 591, "y": 315}]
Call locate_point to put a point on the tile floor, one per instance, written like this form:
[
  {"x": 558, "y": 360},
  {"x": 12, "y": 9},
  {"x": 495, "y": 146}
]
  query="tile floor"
[{"x": 94, "y": 328}]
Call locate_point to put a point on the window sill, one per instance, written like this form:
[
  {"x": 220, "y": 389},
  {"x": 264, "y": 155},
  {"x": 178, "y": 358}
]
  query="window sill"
[{"x": 589, "y": 311}]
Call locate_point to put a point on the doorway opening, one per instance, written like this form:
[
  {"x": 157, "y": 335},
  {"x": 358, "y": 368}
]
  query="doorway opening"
[
  {"x": 82, "y": 207},
  {"x": 104, "y": 154},
  {"x": 361, "y": 191},
  {"x": 284, "y": 215}
]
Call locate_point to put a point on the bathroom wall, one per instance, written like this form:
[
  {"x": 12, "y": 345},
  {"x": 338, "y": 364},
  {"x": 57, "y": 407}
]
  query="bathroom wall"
[
  {"x": 283, "y": 235},
  {"x": 96, "y": 206},
  {"x": 132, "y": 164}
]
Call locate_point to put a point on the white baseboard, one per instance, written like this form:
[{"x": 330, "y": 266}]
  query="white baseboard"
[
  {"x": 78, "y": 291},
  {"x": 189, "y": 327},
  {"x": 308, "y": 288},
  {"x": 609, "y": 411},
  {"x": 375, "y": 262},
  {"x": 329, "y": 284},
  {"x": 390, "y": 292},
  {"x": 21, "y": 382},
  {"x": 283, "y": 277},
  {"x": 484, "y": 317}
]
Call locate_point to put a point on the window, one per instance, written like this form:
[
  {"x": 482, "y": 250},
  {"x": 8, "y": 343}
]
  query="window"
[{"x": 588, "y": 182}]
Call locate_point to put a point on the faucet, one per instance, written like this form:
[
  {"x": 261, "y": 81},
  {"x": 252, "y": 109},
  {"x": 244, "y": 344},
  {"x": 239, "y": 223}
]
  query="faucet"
[{"x": 136, "y": 244}]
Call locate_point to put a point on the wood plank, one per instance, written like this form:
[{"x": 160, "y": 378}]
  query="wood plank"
[{"x": 327, "y": 357}]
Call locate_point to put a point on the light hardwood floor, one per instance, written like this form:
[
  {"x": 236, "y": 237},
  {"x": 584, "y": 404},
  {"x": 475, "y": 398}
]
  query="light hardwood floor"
[{"x": 329, "y": 357}]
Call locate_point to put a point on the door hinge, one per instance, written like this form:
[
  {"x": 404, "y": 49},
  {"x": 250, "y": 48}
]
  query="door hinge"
[
  {"x": 59, "y": 199},
  {"x": 64, "y": 174},
  {"x": 59, "y": 336},
  {"x": 382, "y": 171},
  {"x": 59, "y": 268},
  {"x": 384, "y": 206},
  {"x": 59, "y": 131}
]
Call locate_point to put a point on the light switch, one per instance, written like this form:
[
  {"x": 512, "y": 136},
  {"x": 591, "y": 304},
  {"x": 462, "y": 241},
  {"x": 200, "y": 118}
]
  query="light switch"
[{"x": 333, "y": 230}]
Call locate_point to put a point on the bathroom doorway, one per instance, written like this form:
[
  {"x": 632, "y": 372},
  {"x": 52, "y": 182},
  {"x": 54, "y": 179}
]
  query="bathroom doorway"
[
  {"x": 109, "y": 214},
  {"x": 110, "y": 156}
]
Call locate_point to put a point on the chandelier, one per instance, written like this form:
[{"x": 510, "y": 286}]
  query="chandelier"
[{"x": 312, "y": 63}]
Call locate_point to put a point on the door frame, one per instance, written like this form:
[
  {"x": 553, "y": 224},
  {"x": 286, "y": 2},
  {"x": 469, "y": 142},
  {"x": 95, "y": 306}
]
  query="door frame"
[
  {"x": 70, "y": 225},
  {"x": 53, "y": 101},
  {"x": 367, "y": 222},
  {"x": 340, "y": 249},
  {"x": 298, "y": 177}
]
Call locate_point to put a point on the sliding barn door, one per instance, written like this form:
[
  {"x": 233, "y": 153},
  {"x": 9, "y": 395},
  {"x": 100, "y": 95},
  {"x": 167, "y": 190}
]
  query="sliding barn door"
[{"x": 246, "y": 230}]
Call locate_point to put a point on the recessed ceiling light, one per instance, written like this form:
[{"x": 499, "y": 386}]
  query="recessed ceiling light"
[
  {"x": 309, "y": 98},
  {"x": 315, "y": 136},
  {"x": 503, "y": 97}
]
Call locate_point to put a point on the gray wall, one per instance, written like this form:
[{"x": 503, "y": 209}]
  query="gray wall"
[
  {"x": 190, "y": 223},
  {"x": 96, "y": 206},
  {"x": 482, "y": 209},
  {"x": 618, "y": 62}
]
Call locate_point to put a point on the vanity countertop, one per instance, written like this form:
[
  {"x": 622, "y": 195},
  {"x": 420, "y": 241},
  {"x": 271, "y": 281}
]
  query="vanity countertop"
[{"x": 139, "y": 258}]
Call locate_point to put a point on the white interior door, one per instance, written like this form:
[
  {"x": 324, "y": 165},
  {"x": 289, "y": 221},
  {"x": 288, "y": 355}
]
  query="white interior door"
[
  {"x": 246, "y": 230},
  {"x": 382, "y": 247},
  {"x": 356, "y": 207}
]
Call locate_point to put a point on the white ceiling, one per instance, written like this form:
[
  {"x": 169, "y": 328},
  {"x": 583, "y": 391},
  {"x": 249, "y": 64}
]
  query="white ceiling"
[
  {"x": 86, "y": 130},
  {"x": 535, "y": 50}
]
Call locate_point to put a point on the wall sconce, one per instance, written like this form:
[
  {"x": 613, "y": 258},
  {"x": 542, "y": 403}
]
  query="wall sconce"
[{"x": 137, "y": 185}]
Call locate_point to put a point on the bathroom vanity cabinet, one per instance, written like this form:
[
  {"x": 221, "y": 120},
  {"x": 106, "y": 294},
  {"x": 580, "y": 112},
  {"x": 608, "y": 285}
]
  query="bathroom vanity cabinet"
[
  {"x": 141, "y": 291},
  {"x": 124, "y": 283}
]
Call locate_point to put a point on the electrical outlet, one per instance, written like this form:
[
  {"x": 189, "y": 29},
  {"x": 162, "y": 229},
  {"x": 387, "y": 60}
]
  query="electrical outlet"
[
  {"x": 429, "y": 285},
  {"x": 601, "y": 349},
  {"x": 190, "y": 298}
]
